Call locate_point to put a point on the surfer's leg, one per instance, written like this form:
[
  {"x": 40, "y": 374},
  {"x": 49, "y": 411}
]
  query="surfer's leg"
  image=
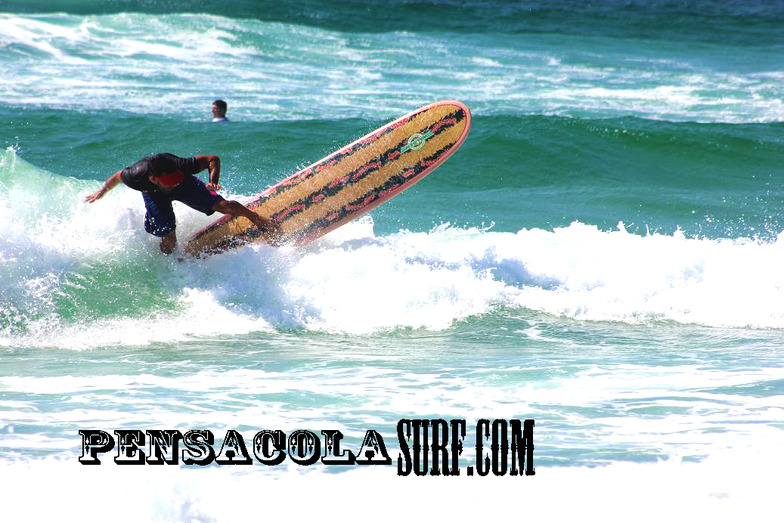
[
  {"x": 194, "y": 193},
  {"x": 160, "y": 221},
  {"x": 169, "y": 242},
  {"x": 270, "y": 229},
  {"x": 234, "y": 208}
]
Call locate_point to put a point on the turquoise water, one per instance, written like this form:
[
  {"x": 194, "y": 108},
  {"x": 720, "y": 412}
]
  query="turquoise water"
[{"x": 602, "y": 255}]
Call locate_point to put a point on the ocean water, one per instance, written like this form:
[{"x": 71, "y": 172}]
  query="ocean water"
[{"x": 603, "y": 255}]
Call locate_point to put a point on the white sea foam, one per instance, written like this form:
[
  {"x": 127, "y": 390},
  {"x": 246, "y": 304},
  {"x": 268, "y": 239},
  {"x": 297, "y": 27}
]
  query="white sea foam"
[
  {"x": 353, "y": 281},
  {"x": 424, "y": 280}
]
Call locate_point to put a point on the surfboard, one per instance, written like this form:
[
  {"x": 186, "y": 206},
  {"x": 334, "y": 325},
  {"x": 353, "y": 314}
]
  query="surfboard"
[{"x": 347, "y": 183}]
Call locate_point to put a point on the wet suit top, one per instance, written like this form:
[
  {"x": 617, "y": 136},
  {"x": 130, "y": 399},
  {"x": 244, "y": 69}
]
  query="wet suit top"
[{"x": 170, "y": 169}]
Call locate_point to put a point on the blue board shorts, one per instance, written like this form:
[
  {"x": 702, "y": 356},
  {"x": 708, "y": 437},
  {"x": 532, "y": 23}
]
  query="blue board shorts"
[{"x": 160, "y": 221}]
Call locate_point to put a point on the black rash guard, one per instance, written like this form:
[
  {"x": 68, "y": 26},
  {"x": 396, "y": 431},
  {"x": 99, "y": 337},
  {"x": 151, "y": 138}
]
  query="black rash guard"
[{"x": 137, "y": 175}]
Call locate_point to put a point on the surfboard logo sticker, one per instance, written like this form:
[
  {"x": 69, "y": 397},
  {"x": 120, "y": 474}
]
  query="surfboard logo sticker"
[{"x": 416, "y": 141}]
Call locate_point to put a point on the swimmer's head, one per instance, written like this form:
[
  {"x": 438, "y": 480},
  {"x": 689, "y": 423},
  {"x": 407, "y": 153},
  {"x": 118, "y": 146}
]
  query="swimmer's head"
[{"x": 219, "y": 109}]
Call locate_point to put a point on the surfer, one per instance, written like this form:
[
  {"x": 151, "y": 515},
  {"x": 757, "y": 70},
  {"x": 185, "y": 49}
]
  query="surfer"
[
  {"x": 163, "y": 178},
  {"x": 219, "y": 111}
]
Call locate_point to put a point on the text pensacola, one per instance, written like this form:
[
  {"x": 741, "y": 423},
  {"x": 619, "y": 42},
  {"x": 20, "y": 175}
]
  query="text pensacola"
[{"x": 427, "y": 446}]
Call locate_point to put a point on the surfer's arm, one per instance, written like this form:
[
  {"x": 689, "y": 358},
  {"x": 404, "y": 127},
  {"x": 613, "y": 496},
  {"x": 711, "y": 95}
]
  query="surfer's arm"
[
  {"x": 212, "y": 163},
  {"x": 108, "y": 185}
]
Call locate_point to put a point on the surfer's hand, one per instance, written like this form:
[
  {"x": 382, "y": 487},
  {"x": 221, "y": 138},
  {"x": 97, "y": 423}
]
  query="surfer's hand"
[
  {"x": 213, "y": 186},
  {"x": 96, "y": 195},
  {"x": 107, "y": 186}
]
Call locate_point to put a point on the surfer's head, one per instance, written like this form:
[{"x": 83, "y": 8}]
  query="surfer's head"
[{"x": 161, "y": 173}]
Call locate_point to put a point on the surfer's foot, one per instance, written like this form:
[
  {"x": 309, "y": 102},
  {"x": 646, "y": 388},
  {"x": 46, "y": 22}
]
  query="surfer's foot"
[{"x": 270, "y": 230}]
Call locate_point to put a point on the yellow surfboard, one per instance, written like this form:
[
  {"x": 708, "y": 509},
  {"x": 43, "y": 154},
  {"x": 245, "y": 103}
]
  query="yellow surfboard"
[{"x": 349, "y": 182}]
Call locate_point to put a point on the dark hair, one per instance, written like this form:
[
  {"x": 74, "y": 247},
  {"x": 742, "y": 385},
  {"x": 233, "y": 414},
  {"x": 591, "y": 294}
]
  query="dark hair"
[
  {"x": 157, "y": 165},
  {"x": 220, "y": 104}
]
